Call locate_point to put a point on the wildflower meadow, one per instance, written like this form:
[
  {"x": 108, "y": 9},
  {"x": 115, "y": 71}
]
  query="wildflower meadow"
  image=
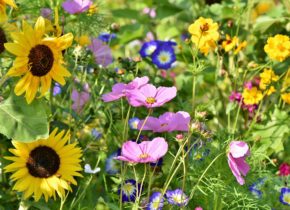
[{"x": 123, "y": 104}]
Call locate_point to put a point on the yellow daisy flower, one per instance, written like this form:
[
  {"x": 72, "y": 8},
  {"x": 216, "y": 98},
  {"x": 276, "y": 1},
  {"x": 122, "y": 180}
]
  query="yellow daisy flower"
[
  {"x": 278, "y": 47},
  {"x": 39, "y": 59},
  {"x": 252, "y": 96},
  {"x": 286, "y": 97},
  {"x": 240, "y": 47},
  {"x": 203, "y": 30},
  {"x": 267, "y": 77},
  {"x": 229, "y": 43},
  {"x": 45, "y": 167},
  {"x": 83, "y": 40},
  {"x": 3, "y": 16}
]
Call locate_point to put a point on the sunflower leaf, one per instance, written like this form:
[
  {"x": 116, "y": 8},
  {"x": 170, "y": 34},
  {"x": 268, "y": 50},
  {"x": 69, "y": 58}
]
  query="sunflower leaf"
[{"x": 23, "y": 122}]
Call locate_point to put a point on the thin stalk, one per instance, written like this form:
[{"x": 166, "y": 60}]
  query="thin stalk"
[{"x": 200, "y": 178}]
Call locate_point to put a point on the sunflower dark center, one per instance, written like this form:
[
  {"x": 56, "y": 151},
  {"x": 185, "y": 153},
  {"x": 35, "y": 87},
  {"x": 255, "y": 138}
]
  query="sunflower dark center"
[
  {"x": 40, "y": 60},
  {"x": 43, "y": 162},
  {"x": 3, "y": 40}
]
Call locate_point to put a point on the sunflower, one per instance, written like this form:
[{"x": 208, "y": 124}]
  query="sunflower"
[
  {"x": 45, "y": 166},
  {"x": 3, "y": 3},
  {"x": 5, "y": 30},
  {"x": 39, "y": 60}
]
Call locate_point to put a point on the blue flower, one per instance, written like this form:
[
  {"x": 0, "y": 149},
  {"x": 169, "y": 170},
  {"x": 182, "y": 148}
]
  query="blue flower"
[
  {"x": 164, "y": 56},
  {"x": 112, "y": 165},
  {"x": 133, "y": 122},
  {"x": 156, "y": 201},
  {"x": 158, "y": 163},
  {"x": 177, "y": 197},
  {"x": 129, "y": 190},
  {"x": 148, "y": 48},
  {"x": 106, "y": 37},
  {"x": 96, "y": 134},
  {"x": 255, "y": 187},
  {"x": 285, "y": 196},
  {"x": 56, "y": 89}
]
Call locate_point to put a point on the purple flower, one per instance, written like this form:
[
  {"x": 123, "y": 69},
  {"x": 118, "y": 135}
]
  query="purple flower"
[
  {"x": 129, "y": 190},
  {"x": 156, "y": 201},
  {"x": 167, "y": 122},
  {"x": 46, "y": 13},
  {"x": 235, "y": 96},
  {"x": 150, "y": 96},
  {"x": 238, "y": 152},
  {"x": 76, "y": 6},
  {"x": 151, "y": 12},
  {"x": 79, "y": 99},
  {"x": 285, "y": 196},
  {"x": 248, "y": 85},
  {"x": 106, "y": 37},
  {"x": 96, "y": 134},
  {"x": 120, "y": 90},
  {"x": 145, "y": 152},
  {"x": 177, "y": 197},
  {"x": 56, "y": 89},
  {"x": 102, "y": 52}
]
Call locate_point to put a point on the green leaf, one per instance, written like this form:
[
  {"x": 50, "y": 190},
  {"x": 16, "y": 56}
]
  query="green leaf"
[
  {"x": 21, "y": 121},
  {"x": 263, "y": 23},
  {"x": 272, "y": 135},
  {"x": 126, "y": 13},
  {"x": 167, "y": 10}
]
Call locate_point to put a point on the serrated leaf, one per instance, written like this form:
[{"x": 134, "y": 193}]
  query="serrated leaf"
[
  {"x": 273, "y": 134},
  {"x": 21, "y": 121}
]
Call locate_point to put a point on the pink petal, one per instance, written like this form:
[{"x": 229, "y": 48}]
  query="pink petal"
[
  {"x": 138, "y": 82},
  {"x": 152, "y": 123},
  {"x": 164, "y": 94},
  {"x": 181, "y": 121},
  {"x": 131, "y": 150},
  {"x": 156, "y": 148},
  {"x": 136, "y": 98},
  {"x": 148, "y": 90},
  {"x": 239, "y": 149},
  {"x": 242, "y": 166},
  {"x": 234, "y": 168}
]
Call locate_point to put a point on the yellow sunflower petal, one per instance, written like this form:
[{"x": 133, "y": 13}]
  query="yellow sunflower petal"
[
  {"x": 22, "y": 84},
  {"x": 39, "y": 27},
  {"x": 16, "y": 49}
]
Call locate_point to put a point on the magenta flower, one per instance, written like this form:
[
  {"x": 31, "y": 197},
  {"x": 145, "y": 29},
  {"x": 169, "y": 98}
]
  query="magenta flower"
[
  {"x": 102, "y": 52},
  {"x": 284, "y": 169},
  {"x": 145, "y": 152},
  {"x": 239, "y": 150},
  {"x": 76, "y": 6},
  {"x": 79, "y": 99},
  {"x": 235, "y": 96},
  {"x": 150, "y": 96},
  {"x": 167, "y": 122},
  {"x": 120, "y": 90}
]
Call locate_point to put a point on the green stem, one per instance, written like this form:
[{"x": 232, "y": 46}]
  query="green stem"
[
  {"x": 200, "y": 178},
  {"x": 143, "y": 124}
]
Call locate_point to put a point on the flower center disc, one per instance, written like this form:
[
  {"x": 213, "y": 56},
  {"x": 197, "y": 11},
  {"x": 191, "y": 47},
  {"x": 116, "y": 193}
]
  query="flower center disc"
[
  {"x": 204, "y": 27},
  {"x": 41, "y": 60},
  {"x": 150, "y": 100},
  {"x": 43, "y": 162},
  {"x": 3, "y": 40}
]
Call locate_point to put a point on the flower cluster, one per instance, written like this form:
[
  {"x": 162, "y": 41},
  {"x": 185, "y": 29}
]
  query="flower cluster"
[
  {"x": 161, "y": 52},
  {"x": 278, "y": 47},
  {"x": 204, "y": 34}
]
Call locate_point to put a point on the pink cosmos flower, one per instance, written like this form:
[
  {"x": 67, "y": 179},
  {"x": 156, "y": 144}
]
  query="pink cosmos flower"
[
  {"x": 150, "y": 96},
  {"x": 102, "y": 52},
  {"x": 119, "y": 90},
  {"x": 76, "y": 6},
  {"x": 198, "y": 208},
  {"x": 79, "y": 100},
  {"x": 145, "y": 152},
  {"x": 239, "y": 150},
  {"x": 167, "y": 122},
  {"x": 284, "y": 169}
]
